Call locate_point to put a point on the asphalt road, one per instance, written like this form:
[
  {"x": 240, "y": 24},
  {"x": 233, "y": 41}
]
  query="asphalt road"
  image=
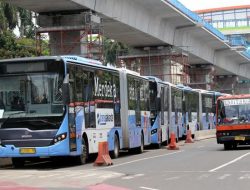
[{"x": 201, "y": 165}]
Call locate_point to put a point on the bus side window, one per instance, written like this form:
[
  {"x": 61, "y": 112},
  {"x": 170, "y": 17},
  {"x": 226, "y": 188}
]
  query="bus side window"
[{"x": 88, "y": 99}]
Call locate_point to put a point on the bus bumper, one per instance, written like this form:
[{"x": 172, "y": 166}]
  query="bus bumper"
[
  {"x": 227, "y": 137},
  {"x": 59, "y": 149}
]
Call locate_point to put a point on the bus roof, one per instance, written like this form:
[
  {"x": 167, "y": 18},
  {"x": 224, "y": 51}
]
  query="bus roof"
[
  {"x": 240, "y": 96},
  {"x": 152, "y": 78},
  {"x": 81, "y": 59},
  {"x": 56, "y": 58},
  {"x": 31, "y": 59},
  {"x": 186, "y": 88}
]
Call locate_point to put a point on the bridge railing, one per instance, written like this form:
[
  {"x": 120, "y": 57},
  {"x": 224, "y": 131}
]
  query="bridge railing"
[{"x": 196, "y": 18}]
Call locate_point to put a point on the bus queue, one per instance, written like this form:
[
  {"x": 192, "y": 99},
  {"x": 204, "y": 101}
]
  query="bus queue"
[{"x": 65, "y": 105}]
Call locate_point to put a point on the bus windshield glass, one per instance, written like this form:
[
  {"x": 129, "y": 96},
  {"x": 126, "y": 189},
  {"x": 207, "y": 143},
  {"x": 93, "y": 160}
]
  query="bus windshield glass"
[
  {"x": 234, "y": 111},
  {"x": 31, "y": 90}
]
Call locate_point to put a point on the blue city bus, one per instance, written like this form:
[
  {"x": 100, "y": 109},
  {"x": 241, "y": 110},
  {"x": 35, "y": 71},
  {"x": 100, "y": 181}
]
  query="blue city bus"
[
  {"x": 65, "y": 105},
  {"x": 190, "y": 103},
  {"x": 159, "y": 111},
  {"x": 207, "y": 103},
  {"x": 176, "y": 111}
]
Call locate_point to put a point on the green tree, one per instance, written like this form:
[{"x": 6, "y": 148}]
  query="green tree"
[
  {"x": 26, "y": 26},
  {"x": 111, "y": 49},
  {"x": 8, "y": 16},
  {"x": 11, "y": 47},
  {"x": 23, "y": 46}
]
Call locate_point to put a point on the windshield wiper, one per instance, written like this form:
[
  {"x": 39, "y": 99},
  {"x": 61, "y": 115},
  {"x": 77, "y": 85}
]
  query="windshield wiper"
[
  {"x": 45, "y": 122},
  {"x": 11, "y": 114}
]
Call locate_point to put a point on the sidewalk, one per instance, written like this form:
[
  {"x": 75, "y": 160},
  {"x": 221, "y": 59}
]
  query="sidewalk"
[
  {"x": 205, "y": 134},
  {"x": 5, "y": 162}
]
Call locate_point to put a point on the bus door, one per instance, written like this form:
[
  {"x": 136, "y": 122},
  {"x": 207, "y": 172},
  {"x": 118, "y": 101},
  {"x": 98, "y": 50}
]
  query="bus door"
[
  {"x": 137, "y": 108},
  {"x": 138, "y": 112},
  {"x": 166, "y": 113},
  {"x": 162, "y": 131},
  {"x": 72, "y": 109},
  {"x": 134, "y": 115}
]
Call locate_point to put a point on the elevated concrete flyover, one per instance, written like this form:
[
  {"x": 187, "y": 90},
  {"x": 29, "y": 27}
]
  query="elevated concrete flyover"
[{"x": 141, "y": 23}]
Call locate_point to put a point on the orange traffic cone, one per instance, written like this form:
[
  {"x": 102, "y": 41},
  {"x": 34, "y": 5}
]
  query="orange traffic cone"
[
  {"x": 103, "y": 155},
  {"x": 189, "y": 137},
  {"x": 172, "y": 145}
]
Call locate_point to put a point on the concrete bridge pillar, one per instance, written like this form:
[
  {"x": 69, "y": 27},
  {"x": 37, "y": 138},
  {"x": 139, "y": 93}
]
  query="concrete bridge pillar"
[
  {"x": 226, "y": 83},
  {"x": 69, "y": 33},
  {"x": 201, "y": 76},
  {"x": 243, "y": 87}
]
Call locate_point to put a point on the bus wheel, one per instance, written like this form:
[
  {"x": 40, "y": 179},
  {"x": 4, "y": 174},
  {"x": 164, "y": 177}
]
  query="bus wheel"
[
  {"x": 83, "y": 158},
  {"x": 227, "y": 146},
  {"x": 177, "y": 136},
  {"x": 18, "y": 162},
  {"x": 115, "y": 152},
  {"x": 140, "y": 149},
  {"x": 234, "y": 146},
  {"x": 160, "y": 142}
]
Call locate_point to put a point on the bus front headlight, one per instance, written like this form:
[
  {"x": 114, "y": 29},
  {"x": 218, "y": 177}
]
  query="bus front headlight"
[{"x": 59, "y": 138}]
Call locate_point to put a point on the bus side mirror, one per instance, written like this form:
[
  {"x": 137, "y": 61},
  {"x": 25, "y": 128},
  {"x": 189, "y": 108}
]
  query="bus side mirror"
[{"x": 66, "y": 90}]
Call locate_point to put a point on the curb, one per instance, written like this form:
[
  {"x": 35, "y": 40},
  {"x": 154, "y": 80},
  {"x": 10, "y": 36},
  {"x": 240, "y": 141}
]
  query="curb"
[{"x": 5, "y": 162}]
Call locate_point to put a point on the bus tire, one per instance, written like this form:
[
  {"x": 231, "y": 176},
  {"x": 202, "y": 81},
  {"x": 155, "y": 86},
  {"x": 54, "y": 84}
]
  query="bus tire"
[
  {"x": 115, "y": 153},
  {"x": 83, "y": 158},
  {"x": 18, "y": 162},
  {"x": 158, "y": 145},
  {"x": 227, "y": 146},
  {"x": 177, "y": 135},
  {"x": 140, "y": 149}
]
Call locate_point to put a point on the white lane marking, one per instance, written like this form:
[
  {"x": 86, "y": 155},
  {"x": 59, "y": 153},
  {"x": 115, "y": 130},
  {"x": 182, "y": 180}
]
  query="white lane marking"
[
  {"x": 138, "y": 160},
  {"x": 133, "y": 176},
  {"x": 246, "y": 176},
  {"x": 148, "y": 188},
  {"x": 139, "y": 175},
  {"x": 228, "y": 163},
  {"x": 23, "y": 176},
  {"x": 48, "y": 176},
  {"x": 107, "y": 176},
  {"x": 201, "y": 146},
  {"x": 224, "y": 176},
  {"x": 128, "y": 177},
  {"x": 90, "y": 175},
  {"x": 172, "y": 178},
  {"x": 203, "y": 176}
]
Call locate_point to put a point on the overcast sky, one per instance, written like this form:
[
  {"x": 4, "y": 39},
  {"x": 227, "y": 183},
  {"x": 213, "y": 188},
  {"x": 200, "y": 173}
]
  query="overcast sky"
[{"x": 206, "y": 4}]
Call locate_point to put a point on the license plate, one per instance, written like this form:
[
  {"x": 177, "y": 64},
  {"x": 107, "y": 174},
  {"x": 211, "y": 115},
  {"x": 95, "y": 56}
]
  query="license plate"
[
  {"x": 27, "y": 150},
  {"x": 239, "y": 138}
]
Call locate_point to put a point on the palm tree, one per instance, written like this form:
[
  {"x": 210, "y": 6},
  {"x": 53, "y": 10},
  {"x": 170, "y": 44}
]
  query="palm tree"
[
  {"x": 26, "y": 26},
  {"x": 8, "y": 16}
]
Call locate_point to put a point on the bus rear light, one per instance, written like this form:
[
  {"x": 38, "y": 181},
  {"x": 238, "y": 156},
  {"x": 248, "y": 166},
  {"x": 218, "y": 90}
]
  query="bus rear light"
[
  {"x": 220, "y": 134},
  {"x": 59, "y": 138}
]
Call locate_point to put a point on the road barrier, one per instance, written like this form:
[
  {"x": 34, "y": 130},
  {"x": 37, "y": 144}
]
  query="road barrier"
[
  {"x": 103, "y": 155},
  {"x": 189, "y": 137},
  {"x": 172, "y": 145}
]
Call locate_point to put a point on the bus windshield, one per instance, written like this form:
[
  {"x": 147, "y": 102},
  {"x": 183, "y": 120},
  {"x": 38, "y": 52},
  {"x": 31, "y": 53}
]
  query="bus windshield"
[
  {"x": 31, "y": 94},
  {"x": 234, "y": 111}
]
